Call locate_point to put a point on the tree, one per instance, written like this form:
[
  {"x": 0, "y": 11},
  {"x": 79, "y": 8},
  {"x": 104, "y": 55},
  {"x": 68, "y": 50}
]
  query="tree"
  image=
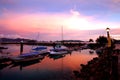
[
  {"x": 91, "y": 40},
  {"x": 102, "y": 40}
]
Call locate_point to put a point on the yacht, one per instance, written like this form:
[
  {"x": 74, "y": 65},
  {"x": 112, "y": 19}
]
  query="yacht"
[
  {"x": 27, "y": 57},
  {"x": 40, "y": 49},
  {"x": 59, "y": 51}
]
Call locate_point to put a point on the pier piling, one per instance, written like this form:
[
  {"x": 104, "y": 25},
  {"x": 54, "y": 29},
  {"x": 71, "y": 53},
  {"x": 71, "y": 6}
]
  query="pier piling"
[{"x": 21, "y": 47}]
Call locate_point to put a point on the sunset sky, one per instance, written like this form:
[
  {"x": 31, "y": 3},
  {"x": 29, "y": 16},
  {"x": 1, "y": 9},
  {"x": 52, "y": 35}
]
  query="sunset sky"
[{"x": 43, "y": 19}]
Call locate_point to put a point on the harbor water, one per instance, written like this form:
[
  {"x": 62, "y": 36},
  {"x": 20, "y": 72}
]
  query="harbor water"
[{"x": 49, "y": 68}]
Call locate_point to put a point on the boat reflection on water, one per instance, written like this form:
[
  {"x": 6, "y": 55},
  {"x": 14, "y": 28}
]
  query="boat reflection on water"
[
  {"x": 4, "y": 65},
  {"x": 4, "y": 57},
  {"x": 24, "y": 64},
  {"x": 56, "y": 56},
  {"x": 51, "y": 67}
]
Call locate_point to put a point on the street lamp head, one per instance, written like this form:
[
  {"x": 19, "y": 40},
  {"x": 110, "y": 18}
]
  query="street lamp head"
[
  {"x": 108, "y": 37},
  {"x": 107, "y": 29}
]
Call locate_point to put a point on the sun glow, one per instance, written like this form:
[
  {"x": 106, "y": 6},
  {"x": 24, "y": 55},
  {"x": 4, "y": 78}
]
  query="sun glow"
[
  {"x": 77, "y": 23},
  {"x": 49, "y": 24}
]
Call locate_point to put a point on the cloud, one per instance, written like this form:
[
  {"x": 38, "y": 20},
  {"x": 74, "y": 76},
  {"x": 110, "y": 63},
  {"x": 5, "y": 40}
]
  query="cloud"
[
  {"x": 97, "y": 6},
  {"x": 49, "y": 25},
  {"x": 92, "y": 7},
  {"x": 10, "y": 36},
  {"x": 47, "y": 17},
  {"x": 4, "y": 2},
  {"x": 115, "y": 31}
]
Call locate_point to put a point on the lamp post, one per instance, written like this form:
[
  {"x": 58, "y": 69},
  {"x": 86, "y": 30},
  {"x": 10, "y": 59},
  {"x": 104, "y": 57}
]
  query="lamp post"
[{"x": 108, "y": 38}]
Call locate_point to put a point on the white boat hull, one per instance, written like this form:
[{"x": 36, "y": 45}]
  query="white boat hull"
[{"x": 58, "y": 53}]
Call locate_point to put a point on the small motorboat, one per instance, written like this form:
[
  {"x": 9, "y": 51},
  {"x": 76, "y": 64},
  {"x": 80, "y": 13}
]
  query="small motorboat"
[
  {"x": 91, "y": 51},
  {"x": 59, "y": 51},
  {"x": 40, "y": 49},
  {"x": 26, "y": 57}
]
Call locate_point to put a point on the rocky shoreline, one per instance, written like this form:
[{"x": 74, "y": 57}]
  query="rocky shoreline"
[{"x": 103, "y": 67}]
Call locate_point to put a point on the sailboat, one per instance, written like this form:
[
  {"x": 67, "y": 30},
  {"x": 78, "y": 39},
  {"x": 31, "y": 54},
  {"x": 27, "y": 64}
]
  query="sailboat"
[
  {"x": 26, "y": 57},
  {"x": 40, "y": 49},
  {"x": 59, "y": 49}
]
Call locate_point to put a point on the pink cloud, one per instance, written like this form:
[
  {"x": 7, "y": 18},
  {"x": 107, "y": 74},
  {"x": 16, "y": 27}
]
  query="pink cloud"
[
  {"x": 115, "y": 33},
  {"x": 31, "y": 22},
  {"x": 49, "y": 25}
]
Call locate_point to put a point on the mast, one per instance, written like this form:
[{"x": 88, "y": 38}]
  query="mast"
[
  {"x": 62, "y": 44},
  {"x": 62, "y": 34}
]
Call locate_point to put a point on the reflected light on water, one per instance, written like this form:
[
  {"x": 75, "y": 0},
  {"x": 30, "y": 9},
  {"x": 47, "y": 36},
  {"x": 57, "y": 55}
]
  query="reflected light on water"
[{"x": 46, "y": 69}]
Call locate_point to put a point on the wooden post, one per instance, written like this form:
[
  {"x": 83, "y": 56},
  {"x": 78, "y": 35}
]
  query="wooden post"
[{"x": 21, "y": 47}]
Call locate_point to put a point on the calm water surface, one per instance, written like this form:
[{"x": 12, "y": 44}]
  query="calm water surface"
[{"x": 46, "y": 69}]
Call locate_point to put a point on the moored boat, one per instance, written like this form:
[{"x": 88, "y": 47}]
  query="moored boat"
[
  {"x": 59, "y": 51},
  {"x": 3, "y": 47},
  {"x": 26, "y": 57},
  {"x": 40, "y": 49}
]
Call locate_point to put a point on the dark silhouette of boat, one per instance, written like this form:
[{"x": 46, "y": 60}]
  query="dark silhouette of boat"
[{"x": 3, "y": 47}]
